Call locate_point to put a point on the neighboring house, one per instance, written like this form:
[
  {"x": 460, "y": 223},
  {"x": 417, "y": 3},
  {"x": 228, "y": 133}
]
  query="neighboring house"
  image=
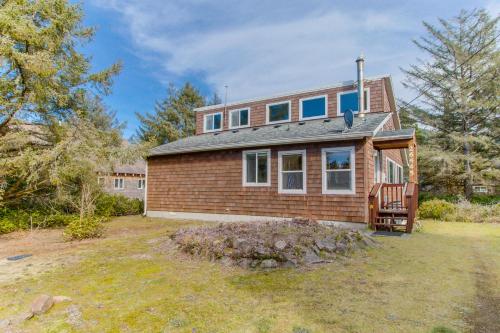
[
  {"x": 290, "y": 155},
  {"x": 129, "y": 180},
  {"x": 484, "y": 188}
]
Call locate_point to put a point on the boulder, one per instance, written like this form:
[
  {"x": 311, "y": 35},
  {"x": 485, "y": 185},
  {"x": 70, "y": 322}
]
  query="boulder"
[
  {"x": 42, "y": 304},
  {"x": 280, "y": 245},
  {"x": 325, "y": 245},
  {"x": 268, "y": 263}
]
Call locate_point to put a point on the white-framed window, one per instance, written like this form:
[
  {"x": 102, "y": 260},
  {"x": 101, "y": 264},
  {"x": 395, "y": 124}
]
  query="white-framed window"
[
  {"x": 480, "y": 189},
  {"x": 313, "y": 107},
  {"x": 257, "y": 167},
  {"x": 212, "y": 122},
  {"x": 119, "y": 183},
  {"x": 349, "y": 100},
  {"x": 239, "y": 118},
  {"x": 338, "y": 170},
  {"x": 292, "y": 175},
  {"x": 278, "y": 112},
  {"x": 394, "y": 172},
  {"x": 376, "y": 164},
  {"x": 141, "y": 184},
  {"x": 100, "y": 180}
]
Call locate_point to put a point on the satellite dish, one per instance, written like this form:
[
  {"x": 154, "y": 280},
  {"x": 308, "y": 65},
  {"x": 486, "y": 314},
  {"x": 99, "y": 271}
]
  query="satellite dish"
[{"x": 348, "y": 118}]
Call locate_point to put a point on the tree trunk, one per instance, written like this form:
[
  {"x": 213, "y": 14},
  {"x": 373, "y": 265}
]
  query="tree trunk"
[{"x": 468, "y": 171}]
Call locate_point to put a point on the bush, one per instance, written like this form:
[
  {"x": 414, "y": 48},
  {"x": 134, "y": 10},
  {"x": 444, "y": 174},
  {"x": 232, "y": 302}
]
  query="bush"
[
  {"x": 20, "y": 219},
  {"x": 435, "y": 209},
  {"x": 486, "y": 199},
  {"x": 117, "y": 205},
  {"x": 473, "y": 213},
  {"x": 89, "y": 227}
]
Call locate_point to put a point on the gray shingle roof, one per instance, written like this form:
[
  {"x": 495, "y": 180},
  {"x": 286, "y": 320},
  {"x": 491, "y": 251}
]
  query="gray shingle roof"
[
  {"x": 286, "y": 133},
  {"x": 400, "y": 134}
]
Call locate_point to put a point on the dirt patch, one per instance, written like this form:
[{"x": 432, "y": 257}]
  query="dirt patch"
[
  {"x": 271, "y": 244},
  {"x": 485, "y": 317}
]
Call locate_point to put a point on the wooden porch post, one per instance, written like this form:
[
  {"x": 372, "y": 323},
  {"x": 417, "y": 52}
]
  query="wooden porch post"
[{"x": 412, "y": 152}]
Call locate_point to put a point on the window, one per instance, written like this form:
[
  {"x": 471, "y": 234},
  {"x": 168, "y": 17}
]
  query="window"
[
  {"x": 338, "y": 170},
  {"x": 292, "y": 172},
  {"x": 256, "y": 167},
  {"x": 239, "y": 118},
  {"x": 349, "y": 100},
  {"x": 480, "y": 189},
  {"x": 119, "y": 183},
  {"x": 278, "y": 112},
  {"x": 376, "y": 163},
  {"x": 394, "y": 172},
  {"x": 212, "y": 122},
  {"x": 313, "y": 107},
  {"x": 141, "y": 184},
  {"x": 100, "y": 180}
]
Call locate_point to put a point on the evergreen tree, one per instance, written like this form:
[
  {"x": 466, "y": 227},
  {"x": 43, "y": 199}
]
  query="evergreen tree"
[
  {"x": 173, "y": 118},
  {"x": 459, "y": 86}
]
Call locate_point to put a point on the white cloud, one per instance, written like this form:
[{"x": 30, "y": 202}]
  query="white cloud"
[{"x": 261, "y": 48}]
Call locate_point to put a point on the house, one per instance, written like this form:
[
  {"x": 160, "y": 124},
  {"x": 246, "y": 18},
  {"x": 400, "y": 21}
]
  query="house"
[
  {"x": 291, "y": 155},
  {"x": 127, "y": 179}
]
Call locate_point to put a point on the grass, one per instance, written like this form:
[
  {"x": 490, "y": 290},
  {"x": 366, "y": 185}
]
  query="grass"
[{"x": 442, "y": 279}]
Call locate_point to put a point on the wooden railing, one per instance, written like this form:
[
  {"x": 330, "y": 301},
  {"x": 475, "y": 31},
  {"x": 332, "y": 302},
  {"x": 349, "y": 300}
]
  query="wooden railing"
[{"x": 393, "y": 199}]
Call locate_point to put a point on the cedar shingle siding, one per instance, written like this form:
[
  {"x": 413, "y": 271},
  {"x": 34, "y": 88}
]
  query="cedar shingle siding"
[{"x": 183, "y": 178}]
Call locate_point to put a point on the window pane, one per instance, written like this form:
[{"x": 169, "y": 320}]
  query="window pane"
[
  {"x": 235, "y": 118},
  {"x": 292, "y": 180},
  {"x": 349, "y": 101},
  {"x": 365, "y": 102},
  {"x": 313, "y": 107},
  {"x": 278, "y": 112},
  {"x": 210, "y": 123},
  {"x": 251, "y": 171},
  {"x": 262, "y": 168},
  {"x": 338, "y": 160},
  {"x": 292, "y": 162},
  {"x": 217, "y": 121},
  {"x": 338, "y": 180},
  {"x": 243, "y": 117}
]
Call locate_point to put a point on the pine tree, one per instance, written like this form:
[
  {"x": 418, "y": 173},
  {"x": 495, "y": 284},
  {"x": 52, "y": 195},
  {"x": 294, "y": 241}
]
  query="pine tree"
[
  {"x": 173, "y": 118},
  {"x": 459, "y": 86}
]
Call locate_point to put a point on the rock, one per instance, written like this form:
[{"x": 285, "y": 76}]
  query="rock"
[
  {"x": 245, "y": 263},
  {"x": 325, "y": 245},
  {"x": 226, "y": 261},
  {"x": 60, "y": 299},
  {"x": 42, "y": 304},
  {"x": 74, "y": 316},
  {"x": 311, "y": 258},
  {"x": 4, "y": 323},
  {"x": 280, "y": 245},
  {"x": 268, "y": 263},
  {"x": 242, "y": 245},
  {"x": 26, "y": 316}
]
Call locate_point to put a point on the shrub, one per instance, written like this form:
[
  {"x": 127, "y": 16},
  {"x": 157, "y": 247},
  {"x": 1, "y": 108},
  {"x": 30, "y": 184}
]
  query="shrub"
[
  {"x": 485, "y": 199},
  {"x": 468, "y": 212},
  {"x": 89, "y": 227},
  {"x": 117, "y": 205},
  {"x": 435, "y": 209},
  {"x": 20, "y": 219}
]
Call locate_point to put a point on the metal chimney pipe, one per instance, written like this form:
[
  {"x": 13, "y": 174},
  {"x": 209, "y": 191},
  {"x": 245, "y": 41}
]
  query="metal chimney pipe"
[{"x": 360, "y": 62}]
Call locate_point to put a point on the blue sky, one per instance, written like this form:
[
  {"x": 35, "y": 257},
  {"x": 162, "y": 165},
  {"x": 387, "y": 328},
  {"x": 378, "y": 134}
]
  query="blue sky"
[{"x": 255, "y": 47}]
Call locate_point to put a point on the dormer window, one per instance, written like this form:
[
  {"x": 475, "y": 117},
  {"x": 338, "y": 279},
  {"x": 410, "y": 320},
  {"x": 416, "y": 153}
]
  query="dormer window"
[
  {"x": 349, "y": 100},
  {"x": 278, "y": 112},
  {"x": 313, "y": 107},
  {"x": 239, "y": 118},
  {"x": 212, "y": 122}
]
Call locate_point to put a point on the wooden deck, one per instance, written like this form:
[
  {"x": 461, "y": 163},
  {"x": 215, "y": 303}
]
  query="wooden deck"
[{"x": 393, "y": 206}]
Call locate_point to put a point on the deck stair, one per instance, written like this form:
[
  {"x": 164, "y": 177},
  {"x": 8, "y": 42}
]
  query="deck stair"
[{"x": 393, "y": 206}]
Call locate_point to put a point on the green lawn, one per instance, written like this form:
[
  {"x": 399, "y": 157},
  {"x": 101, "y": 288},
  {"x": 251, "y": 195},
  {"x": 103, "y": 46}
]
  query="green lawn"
[{"x": 445, "y": 276}]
